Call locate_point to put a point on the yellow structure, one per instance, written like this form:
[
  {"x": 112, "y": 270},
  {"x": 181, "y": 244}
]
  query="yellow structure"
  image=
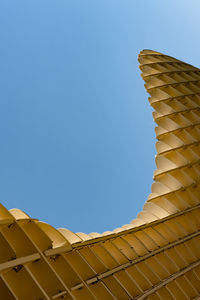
[{"x": 157, "y": 255}]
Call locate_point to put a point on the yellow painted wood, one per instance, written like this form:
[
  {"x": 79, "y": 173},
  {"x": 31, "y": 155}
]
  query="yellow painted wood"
[{"x": 157, "y": 255}]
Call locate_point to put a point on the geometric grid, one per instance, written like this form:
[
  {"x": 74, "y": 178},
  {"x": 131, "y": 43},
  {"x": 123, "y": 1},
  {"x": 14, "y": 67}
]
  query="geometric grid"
[{"x": 157, "y": 255}]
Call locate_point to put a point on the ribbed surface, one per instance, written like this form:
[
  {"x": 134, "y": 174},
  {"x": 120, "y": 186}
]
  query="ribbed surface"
[{"x": 156, "y": 256}]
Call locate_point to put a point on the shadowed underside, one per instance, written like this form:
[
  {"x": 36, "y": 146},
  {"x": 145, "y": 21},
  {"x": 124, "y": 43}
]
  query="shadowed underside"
[{"x": 157, "y": 255}]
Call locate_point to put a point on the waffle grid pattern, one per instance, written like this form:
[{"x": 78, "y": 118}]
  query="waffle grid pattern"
[{"x": 157, "y": 255}]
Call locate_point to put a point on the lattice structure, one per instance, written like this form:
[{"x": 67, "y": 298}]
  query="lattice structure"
[{"x": 157, "y": 255}]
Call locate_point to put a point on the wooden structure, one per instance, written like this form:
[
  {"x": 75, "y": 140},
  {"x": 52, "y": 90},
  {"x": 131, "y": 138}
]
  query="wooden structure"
[{"x": 157, "y": 255}]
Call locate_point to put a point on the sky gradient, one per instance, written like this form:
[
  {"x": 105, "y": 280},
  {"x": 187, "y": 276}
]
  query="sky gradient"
[{"x": 77, "y": 140}]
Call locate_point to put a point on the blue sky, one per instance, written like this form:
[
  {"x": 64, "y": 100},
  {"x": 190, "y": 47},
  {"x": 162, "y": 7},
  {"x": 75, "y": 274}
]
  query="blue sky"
[{"x": 77, "y": 139}]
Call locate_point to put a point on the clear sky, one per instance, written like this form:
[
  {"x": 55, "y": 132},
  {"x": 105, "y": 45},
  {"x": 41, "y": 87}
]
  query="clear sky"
[{"x": 77, "y": 139}]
